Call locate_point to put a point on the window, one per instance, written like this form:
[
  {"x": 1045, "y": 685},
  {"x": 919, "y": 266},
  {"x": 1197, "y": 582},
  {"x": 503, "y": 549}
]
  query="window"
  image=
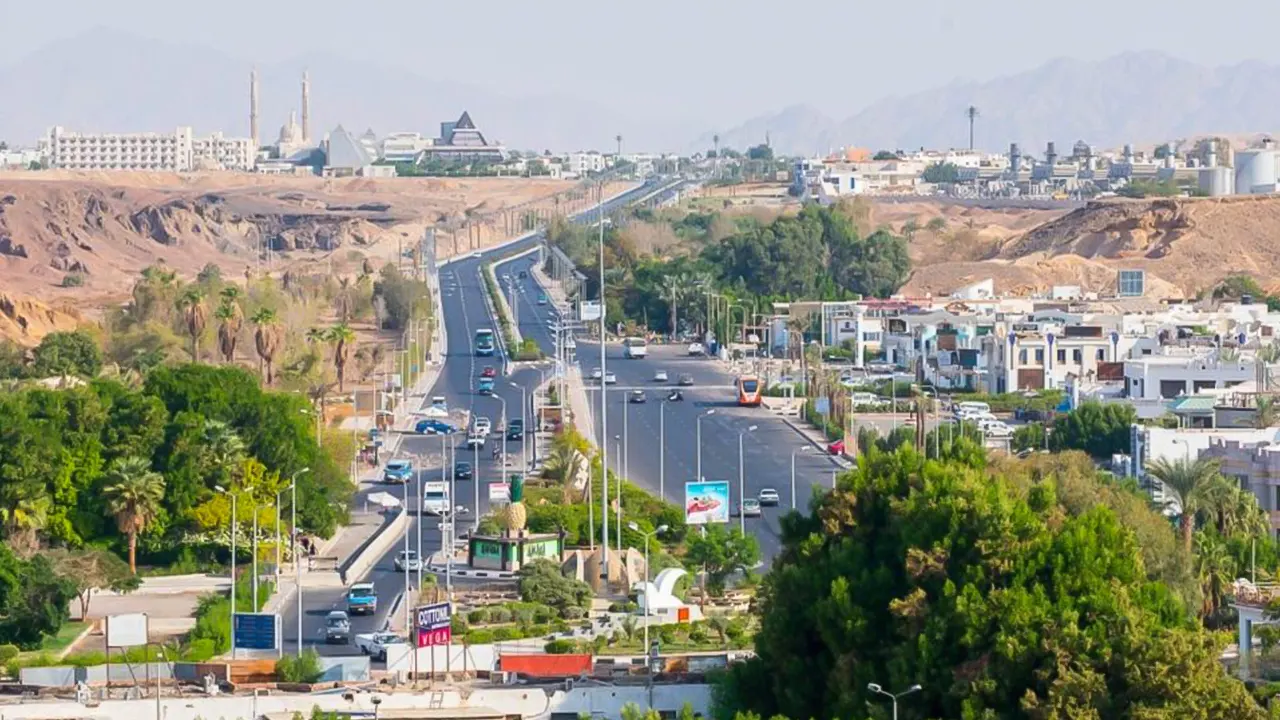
[
  {"x": 1131, "y": 283},
  {"x": 1077, "y": 356},
  {"x": 1102, "y": 355},
  {"x": 1022, "y": 356},
  {"x": 1039, "y": 356},
  {"x": 1062, "y": 355}
]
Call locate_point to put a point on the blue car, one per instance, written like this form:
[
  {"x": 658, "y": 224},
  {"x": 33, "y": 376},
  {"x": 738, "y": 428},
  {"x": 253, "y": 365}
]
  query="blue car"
[
  {"x": 432, "y": 426},
  {"x": 485, "y": 386},
  {"x": 398, "y": 471},
  {"x": 362, "y": 599}
]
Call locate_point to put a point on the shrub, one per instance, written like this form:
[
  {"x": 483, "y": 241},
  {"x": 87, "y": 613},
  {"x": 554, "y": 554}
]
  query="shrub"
[
  {"x": 507, "y": 633},
  {"x": 559, "y": 647},
  {"x": 478, "y": 616},
  {"x": 304, "y": 668},
  {"x": 499, "y": 615},
  {"x": 480, "y": 637},
  {"x": 543, "y": 614},
  {"x": 72, "y": 280},
  {"x": 522, "y": 615},
  {"x": 459, "y": 625},
  {"x": 8, "y": 652},
  {"x": 573, "y": 612},
  {"x": 200, "y": 650}
]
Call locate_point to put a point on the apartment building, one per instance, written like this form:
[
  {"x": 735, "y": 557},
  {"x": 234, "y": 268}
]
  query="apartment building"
[
  {"x": 582, "y": 163},
  {"x": 1255, "y": 464},
  {"x": 1184, "y": 371},
  {"x": 179, "y": 151}
]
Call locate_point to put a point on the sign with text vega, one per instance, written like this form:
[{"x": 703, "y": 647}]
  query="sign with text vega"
[{"x": 434, "y": 624}]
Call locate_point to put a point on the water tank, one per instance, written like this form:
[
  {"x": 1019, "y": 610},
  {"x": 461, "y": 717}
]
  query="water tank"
[
  {"x": 1015, "y": 157},
  {"x": 1256, "y": 171},
  {"x": 1217, "y": 181},
  {"x": 1128, "y": 153}
]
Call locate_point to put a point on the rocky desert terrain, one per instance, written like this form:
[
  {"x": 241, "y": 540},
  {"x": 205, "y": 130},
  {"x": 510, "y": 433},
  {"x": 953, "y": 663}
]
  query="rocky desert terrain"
[{"x": 72, "y": 244}]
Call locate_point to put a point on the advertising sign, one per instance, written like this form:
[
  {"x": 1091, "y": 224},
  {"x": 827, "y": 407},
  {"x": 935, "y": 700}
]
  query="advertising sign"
[
  {"x": 126, "y": 630},
  {"x": 589, "y": 310},
  {"x": 256, "y": 631},
  {"x": 434, "y": 624},
  {"x": 706, "y": 502},
  {"x": 499, "y": 492}
]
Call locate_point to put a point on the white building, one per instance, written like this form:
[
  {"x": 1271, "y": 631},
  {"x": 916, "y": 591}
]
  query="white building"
[
  {"x": 1183, "y": 372},
  {"x": 404, "y": 147},
  {"x": 178, "y": 151},
  {"x": 581, "y": 163}
]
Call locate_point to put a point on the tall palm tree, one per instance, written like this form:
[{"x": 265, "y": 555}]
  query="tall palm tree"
[
  {"x": 672, "y": 287},
  {"x": 194, "y": 316},
  {"x": 344, "y": 340},
  {"x": 1216, "y": 570},
  {"x": 1268, "y": 413},
  {"x": 1190, "y": 483},
  {"x": 230, "y": 319},
  {"x": 223, "y": 444},
  {"x": 133, "y": 498},
  {"x": 24, "y": 509},
  {"x": 1235, "y": 512},
  {"x": 267, "y": 338}
]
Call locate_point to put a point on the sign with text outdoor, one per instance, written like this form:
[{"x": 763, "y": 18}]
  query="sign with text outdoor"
[{"x": 434, "y": 624}]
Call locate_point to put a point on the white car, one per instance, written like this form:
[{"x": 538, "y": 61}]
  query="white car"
[
  {"x": 660, "y": 376},
  {"x": 769, "y": 496},
  {"x": 597, "y": 374},
  {"x": 375, "y": 644},
  {"x": 697, "y": 349},
  {"x": 610, "y": 378},
  {"x": 997, "y": 429},
  {"x": 482, "y": 425}
]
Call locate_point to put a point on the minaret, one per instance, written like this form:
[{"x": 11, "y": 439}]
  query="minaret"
[
  {"x": 253, "y": 108},
  {"x": 306, "y": 107}
]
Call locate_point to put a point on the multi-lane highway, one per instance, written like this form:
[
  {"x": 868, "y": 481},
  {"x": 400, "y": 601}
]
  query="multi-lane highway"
[{"x": 465, "y": 310}]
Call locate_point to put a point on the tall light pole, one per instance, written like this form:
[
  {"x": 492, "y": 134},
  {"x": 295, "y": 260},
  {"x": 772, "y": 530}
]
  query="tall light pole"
[
  {"x": 524, "y": 430},
  {"x": 502, "y": 437},
  {"x": 894, "y": 697},
  {"x": 297, "y": 564},
  {"x": 232, "y": 495},
  {"x": 662, "y": 450},
  {"x": 698, "y": 423},
  {"x": 604, "y": 407},
  {"x": 793, "y": 473},
  {"x": 618, "y": 509},
  {"x": 405, "y": 509},
  {"x": 647, "y": 583},
  {"x": 417, "y": 474},
  {"x": 626, "y": 438},
  {"x": 742, "y": 483}
]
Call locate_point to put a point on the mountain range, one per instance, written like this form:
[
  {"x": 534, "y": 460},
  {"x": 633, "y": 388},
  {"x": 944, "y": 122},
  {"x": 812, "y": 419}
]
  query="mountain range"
[
  {"x": 112, "y": 80},
  {"x": 1142, "y": 97}
]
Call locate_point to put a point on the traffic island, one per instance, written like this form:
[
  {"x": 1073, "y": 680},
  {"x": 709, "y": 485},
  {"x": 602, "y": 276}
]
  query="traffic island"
[{"x": 515, "y": 546}]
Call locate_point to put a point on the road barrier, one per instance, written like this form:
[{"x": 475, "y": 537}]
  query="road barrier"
[{"x": 362, "y": 561}]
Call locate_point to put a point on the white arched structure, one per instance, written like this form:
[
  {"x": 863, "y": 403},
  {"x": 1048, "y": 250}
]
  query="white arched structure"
[{"x": 661, "y": 590}]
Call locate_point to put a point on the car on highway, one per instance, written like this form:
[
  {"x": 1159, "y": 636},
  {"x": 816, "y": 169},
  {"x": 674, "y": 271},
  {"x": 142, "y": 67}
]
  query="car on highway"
[
  {"x": 432, "y": 426},
  {"x": 637, "y": 396},
  {"x": 685, "y": 380},
  {"x": 523, "y": 274},
  {"x": 747, "y": 508},
  {"x": 488, "y": 371},
  {"x": 769, "y": 497},
  {"x": 660, "y": 376},
  {"x": 476, "y": 439},
  {"x": 515, "y": 429},
  {"x": 362, "y": 599},
  {"x": 477, "y": 255},
  {"x": 597, "y": 374},
  {"x": 407, "y": 561},
  {"x": 482, "y": 425},
  {"x": 462, "y": 471},
  {"x": 337, "y": 628},
  {"x": 397, "y": 471},
  {"x": 439, "y": 403},
  {"x": 375, "y": 644},
  {"x": 542, "y": 298},
  {"x": 610, "y": 378},
  {"x": 485, "y": 386},
  {"x": 697, "y": 349},
  {"x": 836, "y": 448}
]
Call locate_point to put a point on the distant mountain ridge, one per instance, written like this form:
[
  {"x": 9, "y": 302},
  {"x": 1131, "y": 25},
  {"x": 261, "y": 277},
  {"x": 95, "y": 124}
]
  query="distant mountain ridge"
[
  {"x": 113, "y": 81},
  {"x": 1141, "y": 97}
]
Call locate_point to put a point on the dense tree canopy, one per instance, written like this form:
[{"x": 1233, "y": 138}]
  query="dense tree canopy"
[
  {"x": 1001, "y": 596},
  {"x": 1100, "y": 429}
]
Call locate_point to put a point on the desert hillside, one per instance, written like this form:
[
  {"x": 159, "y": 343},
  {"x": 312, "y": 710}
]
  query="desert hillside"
[
  {"x": 1185, "y": 245},
  {"x": 101, "y": 229}
]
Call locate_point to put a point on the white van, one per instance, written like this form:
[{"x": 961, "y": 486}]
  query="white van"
[{"x": 972, "y": 408}]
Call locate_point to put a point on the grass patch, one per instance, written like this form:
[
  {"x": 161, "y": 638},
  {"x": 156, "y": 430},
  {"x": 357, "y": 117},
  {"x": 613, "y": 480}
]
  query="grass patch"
[{"x": 54, "y": 644}]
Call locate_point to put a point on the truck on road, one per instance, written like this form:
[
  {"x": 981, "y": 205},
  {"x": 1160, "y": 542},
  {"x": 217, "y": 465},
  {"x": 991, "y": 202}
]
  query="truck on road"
[
  {"x": 375, "y": 644},
  {"x": 362, "y": 599},
  {"x": 435, "y": 498}
]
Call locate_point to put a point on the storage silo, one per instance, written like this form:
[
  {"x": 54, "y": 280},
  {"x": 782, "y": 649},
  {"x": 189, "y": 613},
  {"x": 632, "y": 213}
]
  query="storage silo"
[
  {"x": 1217, "y": 181},
  {"x": 1256, "y": 171}
]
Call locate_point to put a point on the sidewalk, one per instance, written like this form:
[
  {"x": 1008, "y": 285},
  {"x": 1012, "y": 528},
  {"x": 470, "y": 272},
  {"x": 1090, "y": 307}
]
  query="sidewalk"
[{"x": 815, "y": 438}]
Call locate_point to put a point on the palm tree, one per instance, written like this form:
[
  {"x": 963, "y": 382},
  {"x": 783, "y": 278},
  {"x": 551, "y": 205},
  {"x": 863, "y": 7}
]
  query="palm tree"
[
  {"x": 223, "y": 444},
  {"x": 672, "y": 287},
  {"x": 1216, "y": 570},
  {"x": 194, "y": 316},
  {"x": 230, "y": 318},
  {"x": 344, "y": 300},
  {"x": 1189, "y": 484},
  {"x": 24, "y": 509},
  {"x": 1235, "y": 512},
  {"x": 1268, "y": 413},
  {"x": 266, "y": 338},
  {"x": 133, "y": 497},
  {"x": 343, "y": 339}
]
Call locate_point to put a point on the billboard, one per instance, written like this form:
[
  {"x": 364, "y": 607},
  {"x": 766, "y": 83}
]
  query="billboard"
[
  {"x": 434, "y": 624},
  {"x": 126, "y": 630},
  {"x": 706, "y": 502},
  {"x": 589, "y": 310},
  {"x": 499, "y": 492},
  {"x": 256, "y": 631}
]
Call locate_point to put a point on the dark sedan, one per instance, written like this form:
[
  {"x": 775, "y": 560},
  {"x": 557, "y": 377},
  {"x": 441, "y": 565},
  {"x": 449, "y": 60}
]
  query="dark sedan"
[{"x": 462, "y": 471}]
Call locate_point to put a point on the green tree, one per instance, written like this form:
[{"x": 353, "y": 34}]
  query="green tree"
[
  {"x": 542, "y": 582},
  {"x": 194, "y": 317},
  {"x": 93, "y": 569},
  {"x": 997, "y": 601},
  {"x": 268, "y": 335},
  {"x": 1029, "y": 437},
  {"x": 941, "y": 172},
  {"x": 133, "y": 498},
  {"x": 1187, "y": 483},
  {"x": 403, "y": 298},
  {"x": 343, "y": 339},
  {"x": 885, "y": 155},
  {"x": 1100, "y": 429},
  {"x": 33, "y": 599},
  {"x": 66, "y": 353},
  {"x": 720, "y": 553}
]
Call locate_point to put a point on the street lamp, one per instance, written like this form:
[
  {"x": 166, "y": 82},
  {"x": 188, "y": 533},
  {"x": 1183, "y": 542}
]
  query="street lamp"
[
  {"x": 698, "y": 423},
  {"x": 524, "y": 431},
  {"x": 604, "y": 407},
  {"x": 742, "y": 482},
  {"x": 647, "y": 584},
  {"x": 413, "y": 470},
  {"x": 662, "y": 450},
  {"x": 894, "y": 697},
  {"x": 502, "y": 436},
  {"x": 618, "y": 524},
  {"x": 297, "y": 564},
  {"x": 793, "y": 473},
  {"x": 232, "y": 495}
]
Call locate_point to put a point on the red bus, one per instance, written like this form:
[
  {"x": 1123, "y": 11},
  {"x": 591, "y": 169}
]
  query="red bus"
[{"x": 750, "y": 391}]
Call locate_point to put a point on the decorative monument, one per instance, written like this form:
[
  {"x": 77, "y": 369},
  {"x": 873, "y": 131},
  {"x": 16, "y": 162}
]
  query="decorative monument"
[{"x": 515, "y": 545}]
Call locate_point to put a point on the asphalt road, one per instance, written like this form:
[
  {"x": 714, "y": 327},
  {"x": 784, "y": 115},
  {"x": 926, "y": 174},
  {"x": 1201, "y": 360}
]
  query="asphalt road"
[{"x": 465, "y": 312}]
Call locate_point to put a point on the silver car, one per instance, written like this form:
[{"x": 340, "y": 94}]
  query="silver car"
[{"x": 337, "y": 628}]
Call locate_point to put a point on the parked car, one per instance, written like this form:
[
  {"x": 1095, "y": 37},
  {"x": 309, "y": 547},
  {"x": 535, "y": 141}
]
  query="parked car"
[
  {"x": 407, "y": 561},
  {"x": 432, "y": 426},
  {"x": 836, "y": 448},
  {"x": 769, "y": 497},
  {"x": 697, "y": 349},
  {"x": 397, "y": 471},
  {"x": 337, "y": 628},
  {"x": 375, "y": 644}
]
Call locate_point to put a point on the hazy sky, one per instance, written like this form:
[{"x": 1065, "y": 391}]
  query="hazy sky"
[{"x": 720, "y": 61}]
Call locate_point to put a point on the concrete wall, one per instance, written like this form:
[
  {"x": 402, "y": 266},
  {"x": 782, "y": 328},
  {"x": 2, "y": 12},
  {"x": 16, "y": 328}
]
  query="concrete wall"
[
  {"x": 376, "y": 548},
  {"x": 340, "y": 669},
  {"x": 116, "y": 673}
]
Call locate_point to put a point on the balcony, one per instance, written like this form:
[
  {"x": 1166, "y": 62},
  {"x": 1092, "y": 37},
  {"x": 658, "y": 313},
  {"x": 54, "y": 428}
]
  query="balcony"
[{"x": 1248, "y": 594}]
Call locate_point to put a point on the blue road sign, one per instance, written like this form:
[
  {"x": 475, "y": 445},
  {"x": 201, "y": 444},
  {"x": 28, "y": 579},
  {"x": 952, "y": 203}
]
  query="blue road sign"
[{"x": 257, "y": 631}]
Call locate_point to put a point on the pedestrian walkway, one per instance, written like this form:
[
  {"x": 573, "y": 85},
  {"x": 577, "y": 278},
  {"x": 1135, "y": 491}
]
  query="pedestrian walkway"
[{"x": 815, "y": 437}]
